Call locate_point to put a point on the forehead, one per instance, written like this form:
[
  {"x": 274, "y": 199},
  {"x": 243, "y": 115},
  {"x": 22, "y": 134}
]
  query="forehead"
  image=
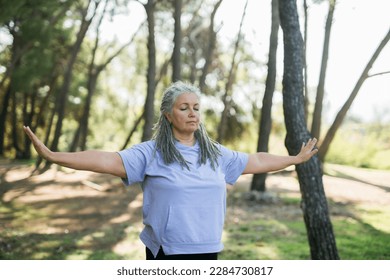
[{"x": 187, "y": 98}]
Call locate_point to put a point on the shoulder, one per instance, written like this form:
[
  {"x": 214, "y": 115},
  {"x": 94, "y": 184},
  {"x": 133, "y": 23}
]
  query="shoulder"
[
  {"x": 229, "y": 155},
  {"x": 146, "y": 148},
  {"x": 225, "y": 151},
  {"x": 147, "y": 145}
]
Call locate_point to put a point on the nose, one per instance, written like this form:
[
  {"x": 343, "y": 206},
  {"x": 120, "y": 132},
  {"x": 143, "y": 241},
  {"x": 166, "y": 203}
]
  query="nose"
[{"x": 191, "y": 113}]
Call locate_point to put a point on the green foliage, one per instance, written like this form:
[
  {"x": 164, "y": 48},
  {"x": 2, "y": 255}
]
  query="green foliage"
[{"x": 361, "y": 145}]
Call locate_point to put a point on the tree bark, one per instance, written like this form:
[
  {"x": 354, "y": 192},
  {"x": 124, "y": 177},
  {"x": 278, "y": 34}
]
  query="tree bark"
[
  {"x": 258, "y": 181},
  {"x": 314, "y": 204},
  {"x": 176, "y": 56},
  {"x": 151, "y": 74}
]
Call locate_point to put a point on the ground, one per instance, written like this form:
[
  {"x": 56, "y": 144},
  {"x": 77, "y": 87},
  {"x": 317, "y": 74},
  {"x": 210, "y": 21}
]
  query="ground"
[{"x": 63, "y": 214}]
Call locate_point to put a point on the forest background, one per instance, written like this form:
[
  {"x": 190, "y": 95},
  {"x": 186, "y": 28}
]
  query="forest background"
[{"x": 90, "y": 74}]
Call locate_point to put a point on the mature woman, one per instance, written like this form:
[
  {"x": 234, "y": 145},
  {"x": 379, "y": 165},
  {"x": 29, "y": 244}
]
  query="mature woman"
[{"x": 183, "y": 174}]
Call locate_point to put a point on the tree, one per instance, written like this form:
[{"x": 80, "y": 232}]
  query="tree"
[
  {"x": 317, "y": 114},
  {"x": 344, "y": 109},
  {"x": 305, "y": 67},
  {"x": 227, "y": 99},
  {"x": 86, "y": 20},
  {"x": 314, "y": 205},
  {"x": 29, "y": 64},
  {"x": 176, "y": 56},
  {"x": 210, "y": 48},
  {"x": 94, "y": 71},
  {"x": 151, "y": 73},
  {"x": 258, "y": 181}
]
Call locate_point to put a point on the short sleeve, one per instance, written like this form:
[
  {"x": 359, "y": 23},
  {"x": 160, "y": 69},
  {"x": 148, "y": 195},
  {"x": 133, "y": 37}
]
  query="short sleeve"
[
  {"x": 233, "y": 164},
  {"x": 135, "y": 161}
]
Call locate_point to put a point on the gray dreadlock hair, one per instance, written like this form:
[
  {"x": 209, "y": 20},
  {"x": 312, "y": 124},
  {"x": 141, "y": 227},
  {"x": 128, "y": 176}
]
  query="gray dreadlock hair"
[{"x": 165, "y": 140}]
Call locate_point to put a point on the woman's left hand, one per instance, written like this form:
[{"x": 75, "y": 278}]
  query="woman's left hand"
[{"x": 307, "y": 150}]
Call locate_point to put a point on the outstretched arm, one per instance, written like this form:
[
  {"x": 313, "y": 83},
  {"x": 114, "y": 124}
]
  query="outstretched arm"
[
  {"x": 96, "y": 161},
  {"x": 265, "y": 162}
]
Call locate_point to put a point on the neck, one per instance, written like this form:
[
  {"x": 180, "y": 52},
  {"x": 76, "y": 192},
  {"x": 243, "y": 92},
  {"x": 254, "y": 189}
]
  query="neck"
[{"x": 188, "y": 140}]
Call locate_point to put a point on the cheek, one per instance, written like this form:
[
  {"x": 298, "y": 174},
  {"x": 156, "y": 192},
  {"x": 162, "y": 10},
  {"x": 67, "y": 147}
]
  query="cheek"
[{"x": 178, "y": 117}]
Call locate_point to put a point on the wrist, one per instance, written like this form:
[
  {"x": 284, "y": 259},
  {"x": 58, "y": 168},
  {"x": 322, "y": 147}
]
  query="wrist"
[
  {"x": 297, "y": 160},
  {"x": 50, "y": 156}
]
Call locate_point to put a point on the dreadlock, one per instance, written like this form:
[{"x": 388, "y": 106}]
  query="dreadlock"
[{"x": 165, "y": 140}]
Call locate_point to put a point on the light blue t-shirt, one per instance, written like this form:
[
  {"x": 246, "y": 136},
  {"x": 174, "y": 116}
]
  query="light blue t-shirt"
[{"x": 183, "y": 210}]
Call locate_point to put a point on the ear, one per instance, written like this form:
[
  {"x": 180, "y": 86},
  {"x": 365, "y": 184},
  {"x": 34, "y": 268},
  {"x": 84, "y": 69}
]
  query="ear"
[{"x": 168, "y": 116}]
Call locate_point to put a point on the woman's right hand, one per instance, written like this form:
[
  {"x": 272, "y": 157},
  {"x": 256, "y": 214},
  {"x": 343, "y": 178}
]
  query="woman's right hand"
[
  {"x": 95, "y": 161},
  {"x": 41, "y": 149}
]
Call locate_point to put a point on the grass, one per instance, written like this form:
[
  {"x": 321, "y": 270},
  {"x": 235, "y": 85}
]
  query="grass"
[
  {"x": 267, "y": 231},
  {"x": 363, "y": 234}
]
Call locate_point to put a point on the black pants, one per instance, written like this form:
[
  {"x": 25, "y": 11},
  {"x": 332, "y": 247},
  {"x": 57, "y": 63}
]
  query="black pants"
[{"x": 161, "y": 256}]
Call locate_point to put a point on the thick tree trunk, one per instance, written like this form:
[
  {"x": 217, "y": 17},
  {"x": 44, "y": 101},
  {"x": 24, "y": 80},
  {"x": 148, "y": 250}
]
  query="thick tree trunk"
[
  {"x": 314, "y": 204},
  {"x": 258, "y": 181}
]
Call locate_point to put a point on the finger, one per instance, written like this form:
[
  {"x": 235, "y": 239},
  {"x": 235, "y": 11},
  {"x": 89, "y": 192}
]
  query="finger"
[
  {"x": 314, "y": 147},
  {"x": 29, "y": 133}
]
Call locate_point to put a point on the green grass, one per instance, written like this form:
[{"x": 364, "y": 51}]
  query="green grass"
[
  {"x": 361, "y": 231},
  {"x": 363, "y": 234},
  {"x": 266, "y": 240}
]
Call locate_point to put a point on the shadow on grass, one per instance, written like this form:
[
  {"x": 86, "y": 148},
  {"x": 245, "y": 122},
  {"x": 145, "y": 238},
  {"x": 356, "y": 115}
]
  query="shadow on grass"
[
  {"x": 55, "y": 219},
  {"x": 82, "y": 223},
  {"x": 277, "y": 236}
]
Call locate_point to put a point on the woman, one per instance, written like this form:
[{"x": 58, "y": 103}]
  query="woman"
[{"x": 183, "y": 174}]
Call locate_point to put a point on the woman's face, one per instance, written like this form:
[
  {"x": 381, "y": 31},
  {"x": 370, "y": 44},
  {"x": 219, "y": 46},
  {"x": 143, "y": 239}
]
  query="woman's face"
[{"x": 185, "y": 115}]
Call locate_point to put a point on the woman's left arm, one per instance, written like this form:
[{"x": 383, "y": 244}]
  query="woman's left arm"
[{"x": 265, "y": 162}]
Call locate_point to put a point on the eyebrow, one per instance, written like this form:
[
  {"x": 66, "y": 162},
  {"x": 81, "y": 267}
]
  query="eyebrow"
[{"x": 186, "y": 103}]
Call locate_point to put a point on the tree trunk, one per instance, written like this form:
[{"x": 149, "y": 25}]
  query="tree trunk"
[
  {"x": 94, "y": 70},
  {"x": 317, "y": 115},
  {"x": 227, "y": 99},
  {"x": 176, "y": 57},
  {"x": 14, "y": 130},
  {"x": 314, "y": 204},
  {"x": 18, "y": 50},
  {"x": 132, "y": 131},
  {"x": 210, "y": 49},
  {"x": 344, "y": 110},
  {"x": 3, "y": 117},
  {"x": 64, "y": 91},
  {"x": 258, "y": 181},
  {"x": 151, "y": 74},
  {"x": 305, "y": 68}
]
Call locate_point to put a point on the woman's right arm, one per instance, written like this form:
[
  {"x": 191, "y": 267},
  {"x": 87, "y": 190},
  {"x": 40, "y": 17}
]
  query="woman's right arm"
[{"x": 96, "y": 161}]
